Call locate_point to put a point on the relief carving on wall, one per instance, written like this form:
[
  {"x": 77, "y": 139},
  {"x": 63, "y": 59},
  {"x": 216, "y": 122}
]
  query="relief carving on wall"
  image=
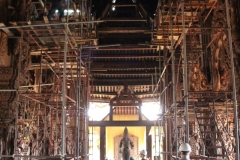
[
  {"x": 234, "y": 9},
  {"x": 4, "y": 57},
  {"x": 3, "y": 43},
  {"x": 220, "y": 51},
  {"x": 227, "y": 137},
  {"x": 196, "y": 75},
  {"x": 8, "y": 81},
  {"x": 23, "y": 61},
  {"x": 197, "y": 78}
]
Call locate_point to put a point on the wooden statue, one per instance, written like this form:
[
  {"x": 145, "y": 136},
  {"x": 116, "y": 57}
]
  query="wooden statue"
[{"x": 126, "y": 143}]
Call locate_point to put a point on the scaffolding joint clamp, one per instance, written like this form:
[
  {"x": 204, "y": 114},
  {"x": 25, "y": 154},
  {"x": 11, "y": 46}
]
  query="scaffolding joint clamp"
[{"x": 62, "y": 156}]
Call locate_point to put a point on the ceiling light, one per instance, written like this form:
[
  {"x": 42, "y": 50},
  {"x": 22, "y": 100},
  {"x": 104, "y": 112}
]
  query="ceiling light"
[{"x": 113, "y": 8}]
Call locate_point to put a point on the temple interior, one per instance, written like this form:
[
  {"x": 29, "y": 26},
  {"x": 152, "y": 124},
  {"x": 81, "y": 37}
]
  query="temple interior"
[{"x": 151, "y": 74}]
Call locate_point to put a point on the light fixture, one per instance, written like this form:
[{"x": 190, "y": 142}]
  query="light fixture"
[{"x": 113, "y": 8}]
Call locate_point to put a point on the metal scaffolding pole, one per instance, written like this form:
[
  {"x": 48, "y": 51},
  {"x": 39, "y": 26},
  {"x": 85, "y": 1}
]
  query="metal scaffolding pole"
[
  {"x": 185, "y": 75},
  {"x": 173, "y": 79},
  {"x": 159, "y": 138},
  {"x": 26, "y": 156},
  {"x": 86, "y": 119},
  {"x": 79, "y": 103},
  {"x": 48, "y": 24},
  {"x": 11, "y": 90},
  {"x": 64, "y": 94},
  {"x": 233, "y": 81}
]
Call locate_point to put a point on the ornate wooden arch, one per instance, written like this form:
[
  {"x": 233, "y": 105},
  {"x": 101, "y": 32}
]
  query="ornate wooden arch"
[{"x": 125, "y": 98}]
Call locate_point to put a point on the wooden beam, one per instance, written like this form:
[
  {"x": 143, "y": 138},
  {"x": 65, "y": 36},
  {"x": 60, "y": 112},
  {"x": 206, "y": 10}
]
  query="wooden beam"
[
  {"x": 121, "y": 123},
  {"x": 50, "y": 30},
  {"x": 124, "y": 20},
  {"x": 127, "y": 47},
  {"x": 7, "y": 31},
  {"x": 123, "y": 65},
  {"x": 36, "y": 33},
  {"x": 124, "y": 5},
  {"x": 125, "y": 35},
  {"x": 114, "y": 93},
  {"x": 122, "y": 73},
  {"x": 113, "y": 55},
  {"x": 124, "y": 30},
  {"x": 121, "y": 82}
]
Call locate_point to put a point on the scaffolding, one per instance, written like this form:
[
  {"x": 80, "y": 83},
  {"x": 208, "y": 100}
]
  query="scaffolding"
[
  {"x": 61, "y": 50},
  {"x": 59, "y": 106},
  {"x": 197, "y": 108}
]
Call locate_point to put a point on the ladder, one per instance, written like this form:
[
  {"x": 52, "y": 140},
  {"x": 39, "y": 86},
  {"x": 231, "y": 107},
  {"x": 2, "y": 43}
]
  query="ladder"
[{"x": 209, "y": 131}]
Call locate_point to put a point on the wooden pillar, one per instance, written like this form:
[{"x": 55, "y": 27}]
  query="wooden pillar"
[
  {"x": 111, "y": 113},
  {"x": 102, "y": 143},
  {"x": 169, "y": 135},
  {"x": 140, "y": 112},
  {"x": 148, "y": 142}
]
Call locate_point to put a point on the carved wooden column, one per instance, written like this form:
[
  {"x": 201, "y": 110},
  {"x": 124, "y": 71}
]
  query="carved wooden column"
[{"x": 8, "y": 76}]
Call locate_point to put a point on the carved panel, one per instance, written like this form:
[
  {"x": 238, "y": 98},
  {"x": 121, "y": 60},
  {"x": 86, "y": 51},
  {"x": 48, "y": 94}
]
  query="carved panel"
[
  {"x": 197, "y": 78},
  {"x": 5, "y": 58},
  {"x": 220, "y": 50},
  {"x": 6, "y": 73},
  {"x": 3, "y": 44}
]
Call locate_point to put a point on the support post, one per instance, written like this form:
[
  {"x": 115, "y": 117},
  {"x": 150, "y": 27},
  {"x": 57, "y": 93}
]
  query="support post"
[
  {"x": 140, "y": 112},
  {"x": 111, "y": 113},
  {"x": 173, "y": 80},
  {"x": 185, "y": 75},
  {"x": 79, "y": 105},
  {"x": 64, "y": 95},
  {"x": 233, "y": 81},
  {"x": 102, "y": 143}
]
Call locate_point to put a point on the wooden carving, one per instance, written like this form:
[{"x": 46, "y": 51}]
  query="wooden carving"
[
  {"x": 4, "y": 57},
  {"x": 197, "y": 78},
  {"x": 133, "y": 152},
  {"x": 3, "y": 43},
  {"x": 235, "y": 24},
  {"x": 220, "y": 51}
]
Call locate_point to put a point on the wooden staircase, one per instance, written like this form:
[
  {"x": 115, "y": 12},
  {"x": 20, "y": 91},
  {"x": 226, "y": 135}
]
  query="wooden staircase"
[{"x": 210, "y": 133}]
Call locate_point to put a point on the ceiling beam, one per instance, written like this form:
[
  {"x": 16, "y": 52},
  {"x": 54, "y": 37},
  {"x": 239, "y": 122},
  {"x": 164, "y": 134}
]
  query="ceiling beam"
[
  {"x": 123, "y": 65},
  {"x": 124, "y": 20},
  {"x": 7, "y": 31},
  {"x": 121, "y": 82},
  {"x": 125, "y": 30},
  {"x": 115, "y": 93},
  {"x": 128, "y": 47},
  {"x": 146, "y": 55},
  {"x": 137, "y": 73},
  {"x": 134, "y": 35},
  {"x": 121, "y": 123}
]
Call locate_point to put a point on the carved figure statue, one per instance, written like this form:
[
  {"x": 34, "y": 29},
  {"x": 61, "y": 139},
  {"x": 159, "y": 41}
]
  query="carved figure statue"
[
  {"x": 198, "y": 79},
  {"x": 126, "y": 143}
]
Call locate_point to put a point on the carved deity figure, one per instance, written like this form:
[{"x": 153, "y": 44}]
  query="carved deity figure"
[
  {"x": 198, "y": 79},
  {"x": 219, "y": 51},
  {"x": 126, "y": 143}
]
